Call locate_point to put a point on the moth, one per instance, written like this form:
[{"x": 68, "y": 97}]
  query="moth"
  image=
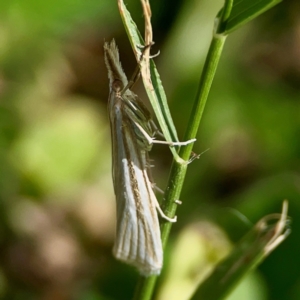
[{"x": 138, "y": 240}]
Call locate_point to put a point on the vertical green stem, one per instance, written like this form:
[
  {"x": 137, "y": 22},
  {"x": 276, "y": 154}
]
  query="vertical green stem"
[
  {"x": 145, "y": 286},
  {"x": 206, "y": 79},
  {"x": 177, "y": 174}
]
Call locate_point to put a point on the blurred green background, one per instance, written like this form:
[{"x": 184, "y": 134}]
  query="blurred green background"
[{"x": 57, "y": 208}]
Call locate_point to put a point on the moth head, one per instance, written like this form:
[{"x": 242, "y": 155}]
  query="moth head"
[{"x": 117, "y": 85}]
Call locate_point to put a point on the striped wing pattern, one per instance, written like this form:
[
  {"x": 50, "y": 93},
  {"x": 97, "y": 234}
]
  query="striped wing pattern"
[{"x": 138, "y": 240}]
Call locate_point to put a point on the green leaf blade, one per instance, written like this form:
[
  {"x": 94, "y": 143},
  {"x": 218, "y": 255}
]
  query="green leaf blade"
[
  {"x": 244, "y": 11},
  {"x": 157, "y": 99},
  {"x": 247, "y": 254}
]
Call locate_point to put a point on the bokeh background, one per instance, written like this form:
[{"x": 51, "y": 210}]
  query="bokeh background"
[{"x": 57, "y": 208}]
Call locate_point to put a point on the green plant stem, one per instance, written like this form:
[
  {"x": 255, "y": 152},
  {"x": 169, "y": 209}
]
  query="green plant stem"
[
  {"x": 146, "y": 285},
  {"x": 206, "y": 79},
  {"x": 144, "y": 288}
]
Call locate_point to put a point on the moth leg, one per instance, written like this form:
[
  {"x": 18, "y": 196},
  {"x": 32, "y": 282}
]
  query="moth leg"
[
  {"x": 146, "y": 46},
  {"x": 132, "y": 81},
  {"x": 155, "y": 187},
  {"x": 155, "y": 55},
  {"x": 151, "y": 140},
  {"x": 155, "y": 129},
  {"x": 171, "y": 220},
  {"x": 136, "y": 74},
  {"x": 157, "y": 132}
]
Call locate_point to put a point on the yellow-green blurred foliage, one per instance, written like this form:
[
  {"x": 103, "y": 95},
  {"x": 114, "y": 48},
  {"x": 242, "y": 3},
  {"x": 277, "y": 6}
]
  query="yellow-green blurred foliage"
[{"x": 57, "y": 208}]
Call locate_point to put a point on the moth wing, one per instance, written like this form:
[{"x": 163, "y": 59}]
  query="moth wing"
[{"x": 138, "y": 240}]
